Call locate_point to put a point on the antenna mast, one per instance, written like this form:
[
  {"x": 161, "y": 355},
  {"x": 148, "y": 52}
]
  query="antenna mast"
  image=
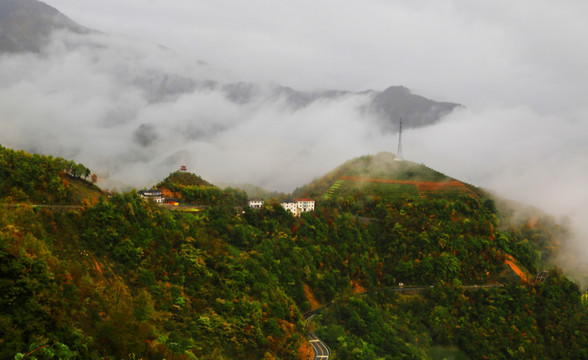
[{"x": 399, "y": 155}]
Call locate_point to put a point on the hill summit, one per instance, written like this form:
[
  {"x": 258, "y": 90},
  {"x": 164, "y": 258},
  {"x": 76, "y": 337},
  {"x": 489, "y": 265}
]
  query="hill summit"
[
  {"x": 190, "y": 188},
  {"x": 384, "y": 176},
  {"x": 184, "y": 179}
]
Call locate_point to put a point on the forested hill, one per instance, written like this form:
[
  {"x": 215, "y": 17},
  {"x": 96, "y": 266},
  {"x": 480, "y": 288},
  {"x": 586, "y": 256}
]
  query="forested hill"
[
  {"x": 124, "y": 278},
  {"x": 192, "y": 189},
  {"x": 42, "y": 179},
  {"x": 383, "y": 176}
]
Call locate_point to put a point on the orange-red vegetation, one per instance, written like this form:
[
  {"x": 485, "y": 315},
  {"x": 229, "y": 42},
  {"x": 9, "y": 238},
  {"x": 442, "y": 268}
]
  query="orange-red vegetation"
[
  {"x": 98, "y": 267},
  {"x": 509, "y": 260},
  {"x": 357, "y": 289},
  {"x": 422, "y": 186},
  {"x": 305, "y": 351},
  {"x": 310, "y": 297}
]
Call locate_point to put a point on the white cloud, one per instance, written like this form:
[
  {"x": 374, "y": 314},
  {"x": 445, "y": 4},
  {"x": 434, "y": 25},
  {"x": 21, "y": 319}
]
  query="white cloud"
[{"x": 518, "y": 67}]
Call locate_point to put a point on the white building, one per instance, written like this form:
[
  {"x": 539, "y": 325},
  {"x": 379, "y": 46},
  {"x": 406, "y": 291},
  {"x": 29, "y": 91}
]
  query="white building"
[
  {"x": 291, "y": 207},
  {"x": 152, "y": 194},
  {"x": 255, "y": 203},
  {"x": 305, "y": 205},
  {"x": 299, "y": 206}
]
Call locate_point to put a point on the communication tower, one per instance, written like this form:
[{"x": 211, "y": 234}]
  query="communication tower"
[{"x": 399, "y": 155}]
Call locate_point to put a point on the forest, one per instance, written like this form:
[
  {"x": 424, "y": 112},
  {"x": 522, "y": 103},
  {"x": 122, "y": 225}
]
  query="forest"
[{"x": 117, "y": 277}]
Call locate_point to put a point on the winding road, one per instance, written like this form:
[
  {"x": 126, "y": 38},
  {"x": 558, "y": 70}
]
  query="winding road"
[{"x": 322, "y": 351}]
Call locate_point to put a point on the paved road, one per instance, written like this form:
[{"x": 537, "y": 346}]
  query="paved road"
[{"x": 322, "y": 351}]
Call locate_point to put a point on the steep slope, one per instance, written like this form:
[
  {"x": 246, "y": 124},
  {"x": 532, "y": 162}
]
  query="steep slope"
[
  {"x": 43, "y": 179},
  {"x": 26, "y": 24}
]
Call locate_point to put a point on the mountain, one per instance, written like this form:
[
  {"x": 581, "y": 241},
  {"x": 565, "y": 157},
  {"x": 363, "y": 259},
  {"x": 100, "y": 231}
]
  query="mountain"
[
  {"x": 389, "y": 106},
  {"x": 44, "y": 180},
  {"x": 125, "y": 278},
  {"x": 398, "y": 102},
  {"x": 25, "y": 25},
  {"x": 386, "y": 177}
]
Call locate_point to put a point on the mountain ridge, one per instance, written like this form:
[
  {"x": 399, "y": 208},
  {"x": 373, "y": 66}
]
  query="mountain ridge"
[{"x": 26, "y": 25}]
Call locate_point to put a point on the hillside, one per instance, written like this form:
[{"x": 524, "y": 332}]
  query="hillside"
[
  {"x": 42, "y": 179},
  {"x": 180, "y": 178},
  {"x": 192, "y": 189},
  {"x": 125, "y": 278},
  {"x": 255, "y": 191},
  {"x": 26, "y": 24},
  {"x": 382, "y": 176}
]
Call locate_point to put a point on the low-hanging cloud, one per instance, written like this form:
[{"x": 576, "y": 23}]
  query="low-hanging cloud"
[
  {"x": 519, "y": 154},
  {"x": 124, "y": 111},
  {"x": 134, "y": 112}
]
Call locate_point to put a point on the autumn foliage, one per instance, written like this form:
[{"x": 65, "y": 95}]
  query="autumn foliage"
[{"x": 123, "y": 278}]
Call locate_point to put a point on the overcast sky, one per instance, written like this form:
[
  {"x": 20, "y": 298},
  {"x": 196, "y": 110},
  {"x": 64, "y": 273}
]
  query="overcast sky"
[
  {"x": 520, "y": 68},
  {"x": 474, "y": 52}
]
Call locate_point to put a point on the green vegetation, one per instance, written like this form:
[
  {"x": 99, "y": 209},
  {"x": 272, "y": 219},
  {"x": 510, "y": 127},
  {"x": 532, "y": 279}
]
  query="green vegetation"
[
  {"x": 43, "y": 179},
  {"x": 381, "y": 176},
  {"x": 124, "y": 278},
  {"x": 192, "y": 189},
  {"x": 255, "y": 192},
  {"x": 181, "y": 178},
  {"x": 370, "y": 190}
]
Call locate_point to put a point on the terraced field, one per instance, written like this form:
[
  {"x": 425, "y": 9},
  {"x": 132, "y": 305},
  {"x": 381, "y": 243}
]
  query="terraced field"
[{"x": 390, "y": 189}]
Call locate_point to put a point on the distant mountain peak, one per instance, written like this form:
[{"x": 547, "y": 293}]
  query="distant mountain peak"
[
  {"x": 25, "y": 25},
  {"x": 398, "y": 102},
  {"x": 388, "y": 106}
]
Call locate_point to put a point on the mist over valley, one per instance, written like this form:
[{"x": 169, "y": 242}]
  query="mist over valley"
[
  {"x": 293, "y": 180},
  {"x": 134, "y": 110}
]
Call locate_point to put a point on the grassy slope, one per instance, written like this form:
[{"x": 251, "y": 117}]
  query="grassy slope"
[
  {"x": 383, "y": 176},
  {"x": 83, "y": 190}
]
